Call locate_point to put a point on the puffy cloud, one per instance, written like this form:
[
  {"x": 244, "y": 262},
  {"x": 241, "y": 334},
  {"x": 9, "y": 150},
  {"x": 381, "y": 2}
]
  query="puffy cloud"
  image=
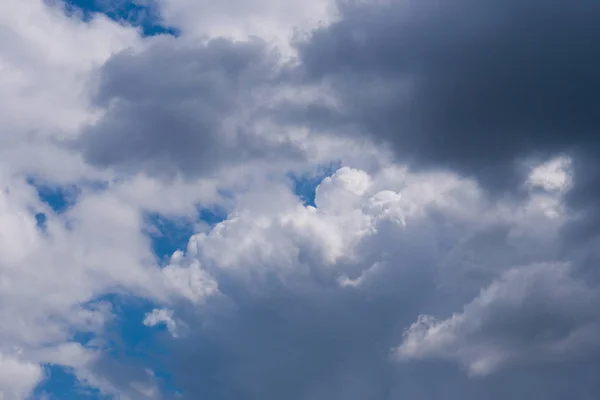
[
  {"x": 552, "y": 175},
  {"x": 531, "y": 315},
  {"x": 46, "y": 62},
  {"x": 186, "y": 108},
  {"x": 160, "y": 316},
  {"x": 313, "y": 300},
  {"x": 281, "y": 299},
  {"x": 240, "y": 19},
  {"x": 17, "y": 379}
]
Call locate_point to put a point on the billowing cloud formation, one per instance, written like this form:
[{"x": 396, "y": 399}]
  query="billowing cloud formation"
[
  {"x": 314, "y": 301},
  {"x": 177, "y": 108},
  {"x": 451, "y": 252},
  {"x": 240, "y": 19},
  {"x": 52, "y": 277},
  {"x": 474, "y": 87},
  {"x": 531, "y": 315}
]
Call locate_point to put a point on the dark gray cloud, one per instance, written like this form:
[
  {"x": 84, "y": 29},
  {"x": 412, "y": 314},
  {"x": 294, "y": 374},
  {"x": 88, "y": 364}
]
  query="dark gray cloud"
[
  {"x": 472, "y": 86},
  {"x": 302, "y": 337},
  {"x": 334, "y": 343},
  {"x": 477, "y": 88},
  {"x": 284, "y": 327},
  {"x": 532, "y": 315},
  {"x": 184, "y": 108}
]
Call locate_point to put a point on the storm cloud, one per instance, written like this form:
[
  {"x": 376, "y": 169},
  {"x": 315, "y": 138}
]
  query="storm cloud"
[{"x": 473, "y": 86}]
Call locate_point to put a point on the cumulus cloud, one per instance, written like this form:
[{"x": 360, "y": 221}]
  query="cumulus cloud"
[
  {"x": 335, "y": 285},
  {"x": 533, "y": 314},
  {"x": 239, "y": 19},
  {"x": 452, "y": 254}
]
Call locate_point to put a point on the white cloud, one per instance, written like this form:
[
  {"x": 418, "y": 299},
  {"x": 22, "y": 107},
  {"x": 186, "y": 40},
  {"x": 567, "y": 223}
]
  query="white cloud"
[
  {"x": 46, "y": 62},
  {"x": 17, "y": 378},
  {"x": 552, "y": 175},
  {"x": 164, "y": 316},
  {"x": 413, "y": 242},
  {"x": 533, "y": 314},
  {"x": 239, "y": 19},
  {"x": 359, "y": 217},
  {"x": 189, "y": 281}
]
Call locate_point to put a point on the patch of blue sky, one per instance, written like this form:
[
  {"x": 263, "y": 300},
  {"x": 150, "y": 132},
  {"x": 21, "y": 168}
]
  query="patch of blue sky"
[
  {"x": 140, "y": 13},
  {"x": 58, "y": 198},
  {"x": 211, "y": 215},
  {"x": 61, "y": 383},
  {"x": 62, "y": 197},
  {"x": 305, "y": 184},
  {"x": 128, "y": 341},
  {"x": 168, "y": 234},
  {"x": 125, "y": 340},
  {"x": 40, "y": 219},
  {"x": 125, "y": 335}
]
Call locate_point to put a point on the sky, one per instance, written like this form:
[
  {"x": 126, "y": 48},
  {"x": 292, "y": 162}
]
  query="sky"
[{"x": 304, "y": 200}]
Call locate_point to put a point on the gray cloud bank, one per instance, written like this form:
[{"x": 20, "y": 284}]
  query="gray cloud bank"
[{"x": 474, "y": 297}]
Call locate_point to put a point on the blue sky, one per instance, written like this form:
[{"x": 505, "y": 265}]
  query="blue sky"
[
  {"x": 134, "y": 13},
  {"x": 304, "y": 185}
]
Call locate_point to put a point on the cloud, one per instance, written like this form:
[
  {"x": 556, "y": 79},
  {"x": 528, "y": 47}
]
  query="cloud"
[
  {"x": 186, "y": 108},
  {"x": 241, "y": 19},
  {"x": 552, "y": 175},
  {"x": 314, "y": 300},
  {"x": 162, "y": 316},
  {"x": 52, "y": 278},
  {"x": 18, "y": 378},
  {"x": 46, "y": 62},
  {"x": 401, "y": 277},
  {"x": 471, "y": 87},
  {"x": 531, "y": 315}
]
